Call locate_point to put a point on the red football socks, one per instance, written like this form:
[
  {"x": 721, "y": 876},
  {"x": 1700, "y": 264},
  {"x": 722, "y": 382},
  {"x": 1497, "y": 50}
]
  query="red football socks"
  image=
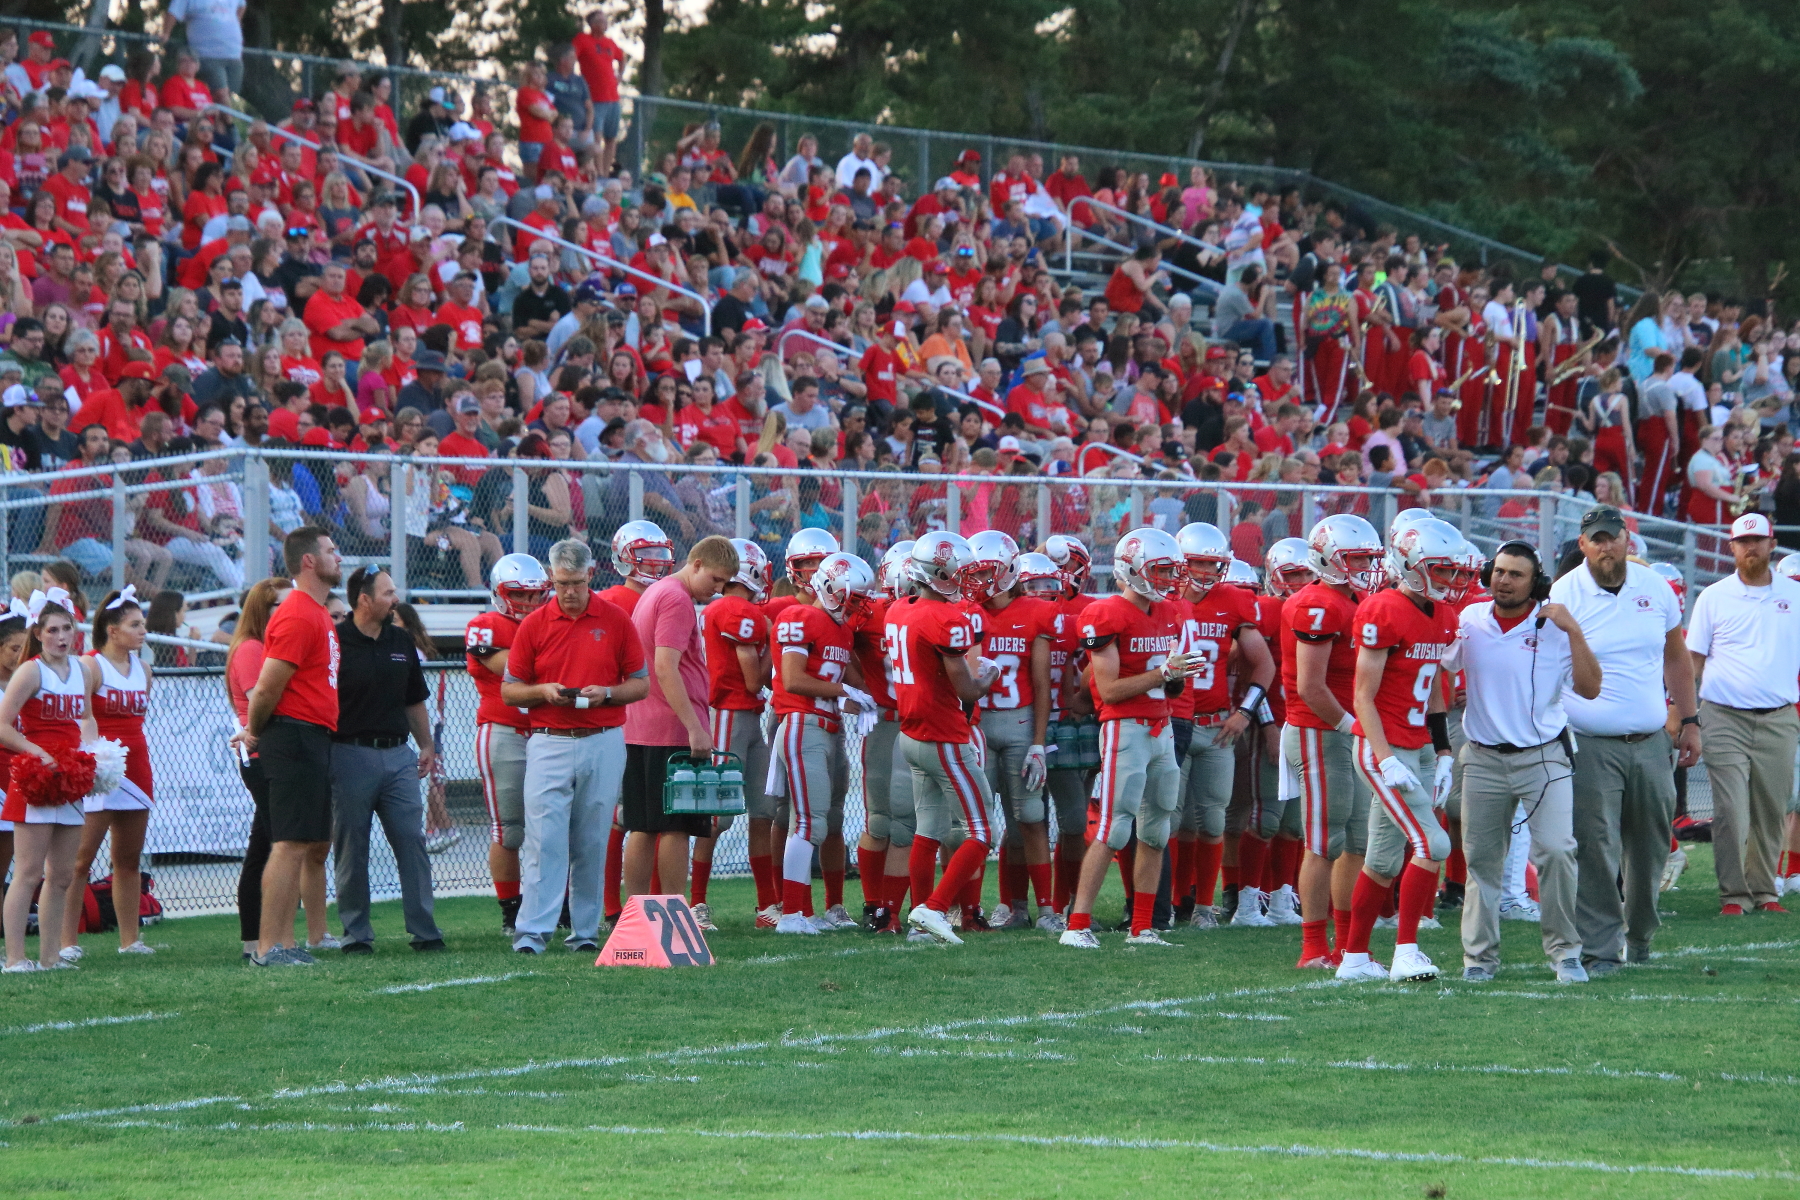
[
  {"x": 971, "y": 892},
  {"x": 1253, "y": 854},
  {"x": 921, "y": 864},
  {"x": 1207, "y": 858},
  {"x": 1039, "y": 873},
  {"x": 1014, "y": 876},
  {"x": 1068, "y": 875},
  {"x": 1340, "y": 926},
  {"x": 962, "y": 867},
  {"x": 1285, "y": 853},
  {"x": 796, "y": 897},
  {"x": 1312, "y": 940},
  {"x": 1456, "y": 867},
  {"x": 506, "y": 889},
  {"x": 834, "y": 887},
  {"x": 1365, "y": 906},
  {"x": 895, "y": 886},
  {"x": 1390, "y": 900},
  {"x": 615, "y": 872},
  {"x": 869, "y": 866},
  {"x": 1126, "y": 858},
  {"x": 1417, "y": 887},
  {"x": 1181, "y": 876},
  {"x": 1142, "y": 905},
  {"x": 762, "y": 870},
  {"x": 1232, "y": 878},
  {"x": 700, "y": 872},
  {"x": 1081, "y": 920}
]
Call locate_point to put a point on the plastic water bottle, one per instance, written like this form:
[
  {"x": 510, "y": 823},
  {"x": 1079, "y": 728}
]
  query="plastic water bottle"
[
  {"x": 708, "y": 789},
  {"x": 1089, "y": 740},
  {"x": 682, "y": 782},
  {"x": 731, "y": 789}
]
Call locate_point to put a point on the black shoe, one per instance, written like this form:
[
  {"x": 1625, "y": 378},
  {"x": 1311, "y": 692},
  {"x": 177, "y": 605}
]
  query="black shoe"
[
  {"x": 1227, "y": 903},
  {"x": 360, "y": 948},
  {"x": 1184, "y": 912},
  {"x": 1451, "y": 897},
  {"x": 978, "y": 923},
  {"x": 564, "y": 921},
  {"x": 877, "y": 919},
  {"x": 869, "y": 911},
  {"x": 433, "y": 945},
  {"x": 509, "y": 914}
]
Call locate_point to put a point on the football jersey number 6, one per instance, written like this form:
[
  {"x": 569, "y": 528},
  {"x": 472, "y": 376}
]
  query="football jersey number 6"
[{"x": 747, "y": 629}]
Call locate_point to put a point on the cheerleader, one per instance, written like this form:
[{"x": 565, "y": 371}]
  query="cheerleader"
[
  {"x": 121, "y": 698},
  {"x": 46, "y": 710},
  {"x": 12, "y": 651}
]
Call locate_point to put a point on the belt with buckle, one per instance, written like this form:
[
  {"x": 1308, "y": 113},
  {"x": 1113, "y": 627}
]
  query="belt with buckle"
[
  {"x": 371, "y": 743},
  {"x": 578, "y": 732},
  {"x": 1210, "y": 720},
  {"x": 1630, "y": 739},
  {"x": 1509, "y": 748},
  {"x": 1760, "y": 712}
]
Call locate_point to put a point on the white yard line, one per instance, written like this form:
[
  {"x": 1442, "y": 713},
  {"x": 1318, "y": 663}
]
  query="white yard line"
[
  {"x": 400, "y": 989},
  {"x": 87, "y": 1023}
]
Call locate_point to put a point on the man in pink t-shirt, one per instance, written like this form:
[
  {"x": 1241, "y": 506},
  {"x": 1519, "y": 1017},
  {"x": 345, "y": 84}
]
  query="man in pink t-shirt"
[{"x": 673, "y": 719}]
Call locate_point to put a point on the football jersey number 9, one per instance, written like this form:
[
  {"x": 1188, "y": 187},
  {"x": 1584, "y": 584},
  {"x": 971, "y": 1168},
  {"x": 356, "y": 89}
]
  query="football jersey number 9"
[
  {"x": 1421, "y": 693},
  {"x": 1371, "y": 634}
]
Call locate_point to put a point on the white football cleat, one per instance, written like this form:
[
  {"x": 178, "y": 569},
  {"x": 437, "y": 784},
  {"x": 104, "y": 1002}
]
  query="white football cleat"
[
  {"x": 71, "y": 954},
  {"x": 1148, "y": 938},
  {"x": 796, "y": 923},
  {"x": 1360, "y": 968},
  {"x": 1430, "y": 923},
  {"x": 839, "y": 918},
  {"x": 1206, "y": 916},
  {"x": 1793, "y": 884},
  {"x": 1052, "y": 922},
  {"x": 1001, "y": 915},
  {"x": 933, "y": 922},
  {"x": 769, "y": 917},
  {"x": 1249, "y": 909},
  {"x": 703, "y": 917},
  {"x": 1284, "y": 907},
  {"x": 1677, "y": 863},
  {"x": 1523, "y": 909},
  {"x": 1387, "y": 922},
  {"x": 919, "y": 935},
  {"x": 1081, "y": 939},
  {"x": 1411, "y": 965}
]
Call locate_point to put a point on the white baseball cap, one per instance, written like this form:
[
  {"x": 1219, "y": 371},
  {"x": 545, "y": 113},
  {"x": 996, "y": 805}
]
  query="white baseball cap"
[
  {"x": 113, "y": 72},
  {"x": 17, "y": 397},
  {"x": 1752, "y": 525},
  {"x": 1010, "y": 445}
]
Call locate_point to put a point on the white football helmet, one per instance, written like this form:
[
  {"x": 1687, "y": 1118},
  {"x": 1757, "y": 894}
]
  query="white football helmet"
[
  {"x": 1405, "y": 519},
  {"x": 993, "y": 566},
  {"x": 805, "y": 551},
  {"x": 642, "y": 552},
  {"x": 1040, "y": 577},
  {"x": 1207, "y": 552},
  {"x": 1287, "y": 567},
  {"x": 1147, "y": 561},
  {"x": 1344, "y": 549},
  {"x": 893, "y": 569},
  {"x": 844, "y": 584},
  {"x": 1432, "y": 563},
  {"x": 1242, "y": 574},
  {"x": 1071, "y": 558},
  {"x": 753, "y": 568},
  {"x": 1395, "y": 563},
  {"x": 518, "y": 584},
  {"x": 937, "y": 563},
  {"x": 1789, "y": 566}
]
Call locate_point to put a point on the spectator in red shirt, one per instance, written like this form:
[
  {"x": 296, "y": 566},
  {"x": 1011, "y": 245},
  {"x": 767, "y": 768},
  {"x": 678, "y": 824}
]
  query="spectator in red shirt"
[
  {"x": 462, "y": 441},
  {"x": 1066, "y": 185},
  {"x": 1279, "y": 437},
  {"x": 535, "y": 111},
  {"x": 600, "y": 59},
  {"x": 880, "y": 369},
  {"x": 334, "y": 318},
  {"x": 182, "y": 93}
]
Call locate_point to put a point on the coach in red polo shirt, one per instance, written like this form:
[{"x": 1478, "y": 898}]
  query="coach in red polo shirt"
[
  {"x": 293, "y": 713},
  {"x": 575, "y": 664}
]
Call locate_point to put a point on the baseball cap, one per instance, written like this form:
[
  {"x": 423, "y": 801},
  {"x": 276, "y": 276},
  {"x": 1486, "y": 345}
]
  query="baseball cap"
[
  {"x": 57, "y": 64},
  {"x": 1752, "y": 525},
  {"x": 468, "y": 404},
  {"x": 42, "y": 38},
  {"x": 305, "y": 104},
  {"x": 1605, "y": 519},
  {"x": 237, "y": 224},
  {"x": 113, "y": 72},
  {"x": 428, "y": 360},
  {"x": 226, "y": 285},
  {"x": 899, "y": 329},
  {"x": 587, "y": 293},
  {"x": 657, "y": 239},
  {"x": 137, "y": 370},
  {"x": 16, "y": 397},
  {"x": 754, "y": 325},
  {"x": 937, "y": 266},
  {"x": 544, "y": 191},
  {"x": 946, "y": 184},
  {"x": 436, "y": 96},
  {"x": 73, "y": 154},
  {"x": 1010, "y": 445}
]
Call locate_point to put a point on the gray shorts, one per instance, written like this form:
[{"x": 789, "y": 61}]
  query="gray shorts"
[
  {"x": 1139, "y": 785},
  {"x": 948, "y": 785},
  {"x": 500, "y": 761},
  {"x": 1008, "y": 733},
  {"x": 1334, "y": 796},
  {"x": 1207, "y": 773},
  {"x": 1402, "y": 821},
  {"x": 887, "y": 787},
  {"x": 606, "y": 120},
  {"x": 736, "y": 731},
  {"x": 817, "y": 775}
]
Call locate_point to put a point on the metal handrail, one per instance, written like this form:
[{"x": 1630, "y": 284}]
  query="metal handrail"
[
  {"x": 1069, "y": 257},
  {"x": 706, "y": 308},
  {"x": 809, "y": 335},
  {"x": 977, "y": 401},
  {"x": 418, "y": 201},
  {"x": 1139, "y": 218},
  {"x": 1112, "y": 449}
]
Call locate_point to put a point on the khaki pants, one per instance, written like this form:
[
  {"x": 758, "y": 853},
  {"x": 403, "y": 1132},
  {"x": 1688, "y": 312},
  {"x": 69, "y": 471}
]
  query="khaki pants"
[
  {"x": 1750, "y": 763},
  {"x": 1624, "y": 813},
  {"x": 1494, "y": 785}
]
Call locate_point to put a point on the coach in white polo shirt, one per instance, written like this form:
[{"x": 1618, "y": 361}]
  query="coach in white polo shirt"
[
  {"x": 1518, "y": 655},
  {"x": 1624, "y": 760},
  {"x": 1745, "y": 639}
]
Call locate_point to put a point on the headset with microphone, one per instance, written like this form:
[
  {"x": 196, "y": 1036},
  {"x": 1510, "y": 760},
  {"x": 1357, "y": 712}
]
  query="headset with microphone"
[{"x": 1540, "y": 582}]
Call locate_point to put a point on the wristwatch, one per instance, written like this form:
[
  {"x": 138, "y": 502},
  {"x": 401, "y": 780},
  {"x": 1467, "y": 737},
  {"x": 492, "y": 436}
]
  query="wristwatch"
[{"x": 1693, "y": 720}]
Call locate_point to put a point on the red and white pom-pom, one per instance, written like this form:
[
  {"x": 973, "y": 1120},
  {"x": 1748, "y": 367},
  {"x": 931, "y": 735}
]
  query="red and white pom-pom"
[
  {"x": 109, "y": 765},
  {"x": 45, "y": 786}
]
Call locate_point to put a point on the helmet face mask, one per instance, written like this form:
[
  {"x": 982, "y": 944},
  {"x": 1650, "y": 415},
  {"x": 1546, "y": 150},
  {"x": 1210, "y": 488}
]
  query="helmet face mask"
[
  {"x": 1448, "y": 580},
  {"x": 642, "y": 553},
  {"x": 1071, "y": 558},
  {"x": 1287, "y": 567},
  {"x": 844, "y": 584},
  {"x": 801, "y": 570},
  {"x": 805, "y": 551},
  {"x": 1204, "y": 574},
  {"x": 1165, "y": 579},
  {"x": 993, "y": 566},
  {"x": 1039, "y": 577},
  {"x": 1363, "y": 569},
  {"x": 1148, "y": 562},
  {"x": 519, "y": 585},
  {"x": 1345, "y": 551},
  {"x": 1432, "y": 560}
]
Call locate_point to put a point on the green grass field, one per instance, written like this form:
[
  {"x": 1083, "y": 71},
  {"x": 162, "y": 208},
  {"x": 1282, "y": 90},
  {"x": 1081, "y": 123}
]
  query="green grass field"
[{"x": 849, "y": 1065}]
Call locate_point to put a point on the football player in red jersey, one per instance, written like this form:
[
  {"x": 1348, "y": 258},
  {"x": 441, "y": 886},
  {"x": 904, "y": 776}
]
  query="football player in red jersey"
[
  {"x": 1318, "y": 673},
  {"x": 1402, "y": 742},
  {"x": 816, "y": 672},
  {"x": 1016, "y": 633},
  {"x": 930, "y": 643},
  {"x": 737, "y": 664},
  {"x": 1070, "y": 561},
  {"x": 886, "y": 842},
  {"x": 805, "y": 551},
  {"x": 519, "y": 586},
  {"x": 1274, "y": 834},
  {"x": 641, "y": 554},
  {"x": 1133, "y": 643},
  {"x": 1216, "y": 617}
]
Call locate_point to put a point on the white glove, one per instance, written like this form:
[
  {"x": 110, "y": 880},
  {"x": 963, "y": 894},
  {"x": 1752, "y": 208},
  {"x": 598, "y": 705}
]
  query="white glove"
[
  {"x": 1348, "y": 723},
  {"x": 987, "y": 673},
  {"x": 1036, "y": 769},
  {"x": 856, "y": 700},
  {"x": 1179, "y": 666},
  {"x": 1398, "y": 775},
  {"x": 1440, "y": 787}
]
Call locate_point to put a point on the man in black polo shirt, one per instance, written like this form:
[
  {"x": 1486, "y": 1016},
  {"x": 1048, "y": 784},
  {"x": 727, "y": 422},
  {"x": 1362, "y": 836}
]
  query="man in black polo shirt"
[
  {"x": 541, "y": 304},
  {"x": 381, "y": 698}
]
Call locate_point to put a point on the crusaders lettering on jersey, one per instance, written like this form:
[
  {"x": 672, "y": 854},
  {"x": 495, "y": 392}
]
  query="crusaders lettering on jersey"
[
  {"x": 1144, "y": 639},
  {"x": 1007, "y": 636},
  {"x": 803, "y": 629},
  {"x": 1416, "y": 640}
]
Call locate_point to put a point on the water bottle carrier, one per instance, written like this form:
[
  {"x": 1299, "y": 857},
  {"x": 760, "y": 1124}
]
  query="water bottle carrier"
[{"x": 712, "y": 787}]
